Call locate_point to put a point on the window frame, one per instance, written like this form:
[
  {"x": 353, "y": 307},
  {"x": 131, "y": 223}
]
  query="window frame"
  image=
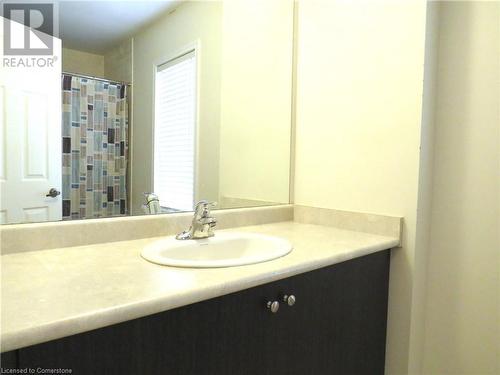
[{"x": 194, "y": 48}]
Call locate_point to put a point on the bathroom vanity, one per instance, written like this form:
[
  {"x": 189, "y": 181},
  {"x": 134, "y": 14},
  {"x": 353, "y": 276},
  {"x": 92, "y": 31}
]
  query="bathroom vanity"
[
  {"x": 322, "y": 309},
  {"x": 336, "y": 326}
]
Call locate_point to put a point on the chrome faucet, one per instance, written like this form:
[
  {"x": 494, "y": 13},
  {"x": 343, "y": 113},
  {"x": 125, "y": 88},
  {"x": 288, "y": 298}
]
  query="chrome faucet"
[{"x": 202, "y": 225}]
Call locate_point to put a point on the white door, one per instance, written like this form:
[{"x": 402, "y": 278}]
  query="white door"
[{"x": 30, "y": 141}]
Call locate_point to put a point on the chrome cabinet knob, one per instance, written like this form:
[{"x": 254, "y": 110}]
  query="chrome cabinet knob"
[
  {"x": 53, "y": 193},
  {"x": 273, "y": 306},
  {"x": 289, "y": 299}
]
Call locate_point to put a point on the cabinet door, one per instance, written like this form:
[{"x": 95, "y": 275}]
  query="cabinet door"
[
  {"x": 221, "y": 336},
  {"x": 8, "y": 360},
  {"x": 338, "y": 323}
]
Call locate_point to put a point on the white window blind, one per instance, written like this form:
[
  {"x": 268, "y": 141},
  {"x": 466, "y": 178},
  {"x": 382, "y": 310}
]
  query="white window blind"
[{"x": 174, "y": 138}]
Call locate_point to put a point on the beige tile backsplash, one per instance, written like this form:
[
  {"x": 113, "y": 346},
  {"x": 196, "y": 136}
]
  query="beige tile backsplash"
[
  {"x": 390, "y": 226},
  {"x": 40, "y": 236}
]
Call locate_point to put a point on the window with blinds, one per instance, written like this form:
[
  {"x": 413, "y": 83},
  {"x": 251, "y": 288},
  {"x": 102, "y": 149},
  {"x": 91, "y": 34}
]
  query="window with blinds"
[{"x": 174, "y": 132}]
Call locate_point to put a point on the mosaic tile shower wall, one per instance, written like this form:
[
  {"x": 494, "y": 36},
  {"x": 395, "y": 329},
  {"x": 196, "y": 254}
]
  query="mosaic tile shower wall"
[{"x": 95, "y": 148}]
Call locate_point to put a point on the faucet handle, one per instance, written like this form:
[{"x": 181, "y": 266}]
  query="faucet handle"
[
  {"x": 205, "y": 206},
  {"x": 205, "y": 203}
]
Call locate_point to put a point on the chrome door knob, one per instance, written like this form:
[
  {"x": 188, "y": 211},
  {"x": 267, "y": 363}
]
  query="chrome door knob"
[
  {"x": 289, "y": 299},
  {"x": 53, "y": 193},
  {"x": 273, "y": 306}
]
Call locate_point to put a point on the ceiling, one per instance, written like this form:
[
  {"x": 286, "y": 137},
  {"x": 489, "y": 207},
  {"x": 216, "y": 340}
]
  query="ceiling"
[{"x": 96, "y": 26}]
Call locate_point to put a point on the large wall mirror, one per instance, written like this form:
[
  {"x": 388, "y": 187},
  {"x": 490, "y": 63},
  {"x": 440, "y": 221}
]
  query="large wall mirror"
[{"x": 153, "y": 106}]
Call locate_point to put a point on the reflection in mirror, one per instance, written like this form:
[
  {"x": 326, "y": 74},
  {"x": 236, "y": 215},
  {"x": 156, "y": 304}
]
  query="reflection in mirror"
[{"x": 163, "y": 104}]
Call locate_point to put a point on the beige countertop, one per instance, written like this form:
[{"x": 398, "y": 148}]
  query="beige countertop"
[{"x": 49, "y": 294}]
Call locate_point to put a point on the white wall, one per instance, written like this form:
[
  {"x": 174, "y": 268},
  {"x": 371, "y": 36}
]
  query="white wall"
[
  {"x": 190, "y": 22},
  {"x": 85, "y": 63},
  {"x": 462, "y": 310},
  {"x": 360, "y": 72},
  {"x": 256, "y": 101}
]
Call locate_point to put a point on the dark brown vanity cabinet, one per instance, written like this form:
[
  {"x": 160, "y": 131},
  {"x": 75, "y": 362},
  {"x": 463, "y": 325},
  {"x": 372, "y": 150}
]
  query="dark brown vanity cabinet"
[{"x": 336, "y": 326}]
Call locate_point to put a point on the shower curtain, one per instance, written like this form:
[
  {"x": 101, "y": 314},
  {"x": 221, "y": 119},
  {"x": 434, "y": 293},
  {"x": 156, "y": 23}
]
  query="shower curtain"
[{"x": 95, "y": 148}]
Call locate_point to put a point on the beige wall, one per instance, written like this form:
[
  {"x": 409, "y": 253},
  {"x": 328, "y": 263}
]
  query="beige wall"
[
  {"x": 358, "y": 123},
  {"x": 118, "y": 62},
  {"x": 82, "y": 62},
  {"x": 371, "y": 137},
  {"x": 462, "y": 311},
  {"x": 115, "y": 64},
  {"x": 244, "y": 107},
  {"x": 190, "y": 22},
  {"x": 425, "y": 183},
  {"x": 256, "y": 101}
]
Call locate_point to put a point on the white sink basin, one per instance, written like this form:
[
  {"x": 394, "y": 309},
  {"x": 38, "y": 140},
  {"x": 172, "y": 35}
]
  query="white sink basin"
[{"x": 222, "y": 250}]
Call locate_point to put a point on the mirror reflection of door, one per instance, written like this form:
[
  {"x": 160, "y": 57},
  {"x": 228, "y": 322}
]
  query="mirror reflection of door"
[{"x": 30, "y": 144}]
